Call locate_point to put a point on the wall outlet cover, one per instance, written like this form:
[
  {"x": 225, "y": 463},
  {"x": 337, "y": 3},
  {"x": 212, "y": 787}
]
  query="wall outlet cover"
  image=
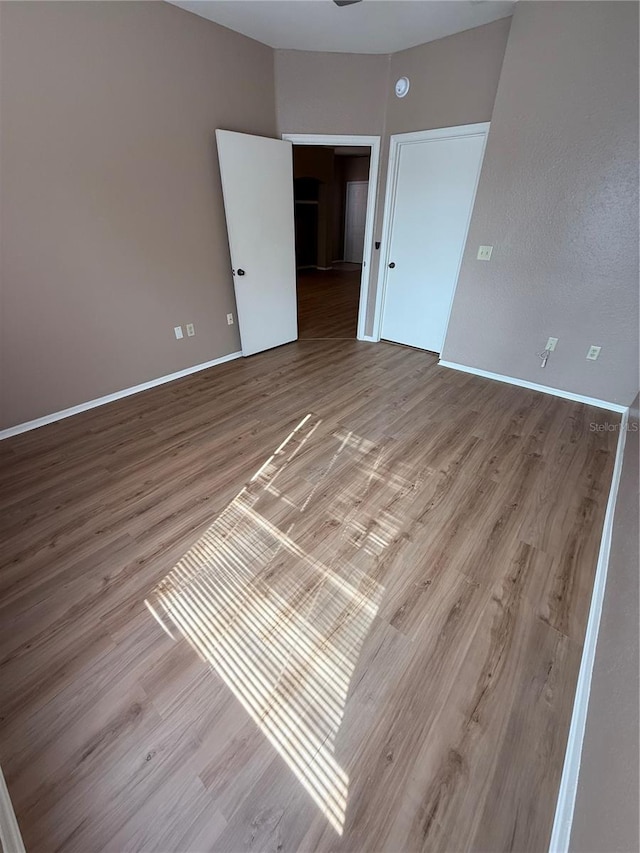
[
  {"x": 593, "y": 352},
  {"x": 484, "y": 253},
  {"x": 190, "y": 330}
]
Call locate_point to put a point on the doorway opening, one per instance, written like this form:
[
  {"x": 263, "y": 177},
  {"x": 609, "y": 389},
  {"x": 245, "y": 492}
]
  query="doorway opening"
[
  {"x": 334, "y": 193},
  {"x": 330, "y": 187}
]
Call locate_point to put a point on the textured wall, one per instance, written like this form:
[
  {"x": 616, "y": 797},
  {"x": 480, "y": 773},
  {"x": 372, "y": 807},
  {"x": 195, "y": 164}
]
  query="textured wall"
[
  {"x": 453, "y": 80},
  {"x": 330, "y": 92},
  {"x": 558, "y": 200},
  {"x": 607, "y": 812},
  {"x": 112, "y": 220}
]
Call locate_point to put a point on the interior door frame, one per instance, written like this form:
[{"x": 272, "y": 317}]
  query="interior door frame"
[
  {"x": 396, "y": 142},
  {"x": 373, "y": 143}
]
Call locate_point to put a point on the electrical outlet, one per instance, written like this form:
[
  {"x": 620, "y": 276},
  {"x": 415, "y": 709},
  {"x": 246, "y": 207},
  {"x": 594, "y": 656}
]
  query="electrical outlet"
[
  {"x": 190, "y": 330},
  {"x": 484, "y": 253},
  {"x": 177, "y": 330},
  {"x": 229, "y": 319},
  {"x": 593, "y": 353},
  {"x": 551, "y": 344}
]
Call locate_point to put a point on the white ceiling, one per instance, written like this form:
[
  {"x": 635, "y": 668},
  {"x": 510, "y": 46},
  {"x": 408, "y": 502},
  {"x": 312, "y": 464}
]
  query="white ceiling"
[{"x": 372, "y": 26}]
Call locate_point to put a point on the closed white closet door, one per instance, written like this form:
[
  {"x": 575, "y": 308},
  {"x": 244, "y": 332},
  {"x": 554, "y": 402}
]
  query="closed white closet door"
[
  {"x": 355, "y": 218},
  {"x": 436, "y": 179},
  {"x": 257, "y": 185}
]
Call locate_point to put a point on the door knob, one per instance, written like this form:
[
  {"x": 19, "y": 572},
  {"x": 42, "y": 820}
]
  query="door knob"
[
  {"x": 240, "y": 272},
  {"x": 392, "y": 266}
]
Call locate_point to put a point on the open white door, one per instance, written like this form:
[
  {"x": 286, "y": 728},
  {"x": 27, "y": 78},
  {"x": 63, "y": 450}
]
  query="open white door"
[{"x": 257, "y": 185}]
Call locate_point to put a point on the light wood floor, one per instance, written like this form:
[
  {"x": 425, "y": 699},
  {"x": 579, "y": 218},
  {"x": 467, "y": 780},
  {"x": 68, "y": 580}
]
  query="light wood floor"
[
  {"x": 328, "y": 598},
  {"x": 328, "y": 302}
]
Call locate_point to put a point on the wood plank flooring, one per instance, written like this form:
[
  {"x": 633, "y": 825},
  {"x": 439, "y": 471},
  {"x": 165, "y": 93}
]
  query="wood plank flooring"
[
  {"x": 328, "y": 598},
  {"x": 328, "y": 302}
]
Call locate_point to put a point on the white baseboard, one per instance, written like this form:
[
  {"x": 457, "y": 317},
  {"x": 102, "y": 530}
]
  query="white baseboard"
[
  {"x": 533, "y": 386},
  {"x": 561, "y": 833},
  {"x": 109, "y": 398},
  {"x": 565, "y": 805},
  {"x": 9, "y": 830},
  {"x": 369, "y": 338}
]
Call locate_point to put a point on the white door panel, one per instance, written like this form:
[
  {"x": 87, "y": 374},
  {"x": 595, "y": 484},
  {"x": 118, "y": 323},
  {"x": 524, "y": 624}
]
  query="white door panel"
[
  {"x": 257, "y": 185},
  {"x": 435, "y": 190},
  {"x": 355, "y": 219}
]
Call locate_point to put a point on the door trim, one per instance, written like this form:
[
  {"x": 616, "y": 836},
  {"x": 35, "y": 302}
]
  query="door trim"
[
  {"x": 372, "y": 142},
  {"x": 397, "y": 140},
  {"x": 9, "y": 830}
]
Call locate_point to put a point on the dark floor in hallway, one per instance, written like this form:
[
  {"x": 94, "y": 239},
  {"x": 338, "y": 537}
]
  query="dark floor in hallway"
[{"x": 328, "y": 302}]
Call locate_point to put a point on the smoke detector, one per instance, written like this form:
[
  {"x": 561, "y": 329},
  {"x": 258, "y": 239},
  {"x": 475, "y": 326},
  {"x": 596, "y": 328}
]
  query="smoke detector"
[{"x": 402, "y": 87}]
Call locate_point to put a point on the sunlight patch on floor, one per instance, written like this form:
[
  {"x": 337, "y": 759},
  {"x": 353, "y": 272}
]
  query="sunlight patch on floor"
[{"x": 281, "y": 627}]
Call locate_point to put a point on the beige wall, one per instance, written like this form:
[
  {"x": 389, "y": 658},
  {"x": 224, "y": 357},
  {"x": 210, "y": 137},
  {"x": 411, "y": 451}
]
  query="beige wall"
[
  {"x": 607, "y": 813},
  {"x": 453, "y": 80},
  {"x": 112, "y": 220},
  {"x": 558, "y": 200},
  {"x": 330, "y": 92}
]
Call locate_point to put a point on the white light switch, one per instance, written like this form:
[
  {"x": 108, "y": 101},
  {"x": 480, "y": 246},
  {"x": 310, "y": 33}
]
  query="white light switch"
[
  {"x": 593, "y": 353},
  {"x": 178, "y": 332},
  {"x": 551, "y": 344},
  {"x": 484, "y": 253},
  {"x": 230, "y": 319}
]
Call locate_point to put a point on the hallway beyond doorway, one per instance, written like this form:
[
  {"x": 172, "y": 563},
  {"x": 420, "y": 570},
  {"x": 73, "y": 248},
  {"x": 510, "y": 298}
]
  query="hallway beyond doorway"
[{"x": 328, "y": 301}]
